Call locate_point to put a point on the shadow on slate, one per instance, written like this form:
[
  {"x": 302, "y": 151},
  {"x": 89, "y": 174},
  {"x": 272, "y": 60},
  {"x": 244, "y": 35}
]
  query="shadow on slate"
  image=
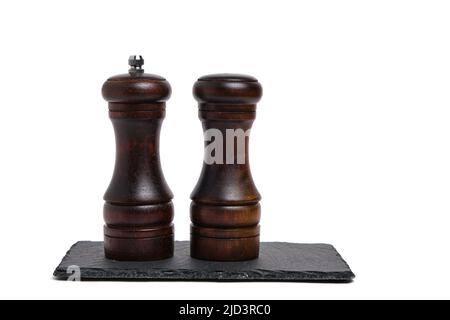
[{"x": 278, "y": 261}]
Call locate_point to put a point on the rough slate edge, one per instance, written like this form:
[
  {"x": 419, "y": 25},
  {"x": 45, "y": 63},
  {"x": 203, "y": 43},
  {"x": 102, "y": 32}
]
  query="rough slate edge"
[{"x": 141, "y": 271}]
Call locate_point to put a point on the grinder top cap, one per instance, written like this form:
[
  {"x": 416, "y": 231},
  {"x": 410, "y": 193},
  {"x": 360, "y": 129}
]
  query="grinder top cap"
[
  {"x": 227, "y": 88},
  {"x": 136, "y": 86}
]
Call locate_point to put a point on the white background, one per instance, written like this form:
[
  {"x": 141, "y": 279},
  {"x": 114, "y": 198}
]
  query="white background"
[{"x": 350, "y": 145}]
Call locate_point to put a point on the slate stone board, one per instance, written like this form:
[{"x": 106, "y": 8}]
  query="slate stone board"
[{"x": 278, "y": 261}]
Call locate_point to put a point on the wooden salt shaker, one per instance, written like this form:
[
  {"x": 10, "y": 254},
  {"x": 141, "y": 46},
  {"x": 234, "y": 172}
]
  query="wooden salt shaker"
[{"x": 225, "y": 209}]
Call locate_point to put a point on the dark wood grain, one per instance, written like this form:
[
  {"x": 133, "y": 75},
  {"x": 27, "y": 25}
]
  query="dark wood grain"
[
  {"x": 138, "y": 211},
  {"x": 225, "y": 208}
]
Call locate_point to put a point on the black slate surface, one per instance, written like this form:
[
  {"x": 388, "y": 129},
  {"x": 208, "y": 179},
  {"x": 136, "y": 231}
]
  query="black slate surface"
[{"x": 278, "y": 261}]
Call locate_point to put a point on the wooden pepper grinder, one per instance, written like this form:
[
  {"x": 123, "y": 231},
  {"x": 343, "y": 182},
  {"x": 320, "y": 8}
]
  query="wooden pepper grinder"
[
  {"x": 138, "y": 210},
  {"x": 225, "y": 210}
]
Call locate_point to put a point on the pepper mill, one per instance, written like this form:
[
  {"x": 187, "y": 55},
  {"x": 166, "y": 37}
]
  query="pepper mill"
[
  {"x": 138, "y": 210},
  {"x": 225, "y": 209}
]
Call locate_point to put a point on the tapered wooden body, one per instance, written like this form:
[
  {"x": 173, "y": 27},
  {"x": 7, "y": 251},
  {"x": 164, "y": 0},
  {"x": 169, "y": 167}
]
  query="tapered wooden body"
[
  {"x": 225, "y": 209},
  {"x": 138, "y": 210}
]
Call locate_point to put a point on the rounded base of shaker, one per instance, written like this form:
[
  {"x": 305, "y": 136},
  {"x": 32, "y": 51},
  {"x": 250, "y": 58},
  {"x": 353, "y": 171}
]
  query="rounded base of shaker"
[
  {"x": 227, "y": 246},
  {"x": 137, "y": 247}
]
